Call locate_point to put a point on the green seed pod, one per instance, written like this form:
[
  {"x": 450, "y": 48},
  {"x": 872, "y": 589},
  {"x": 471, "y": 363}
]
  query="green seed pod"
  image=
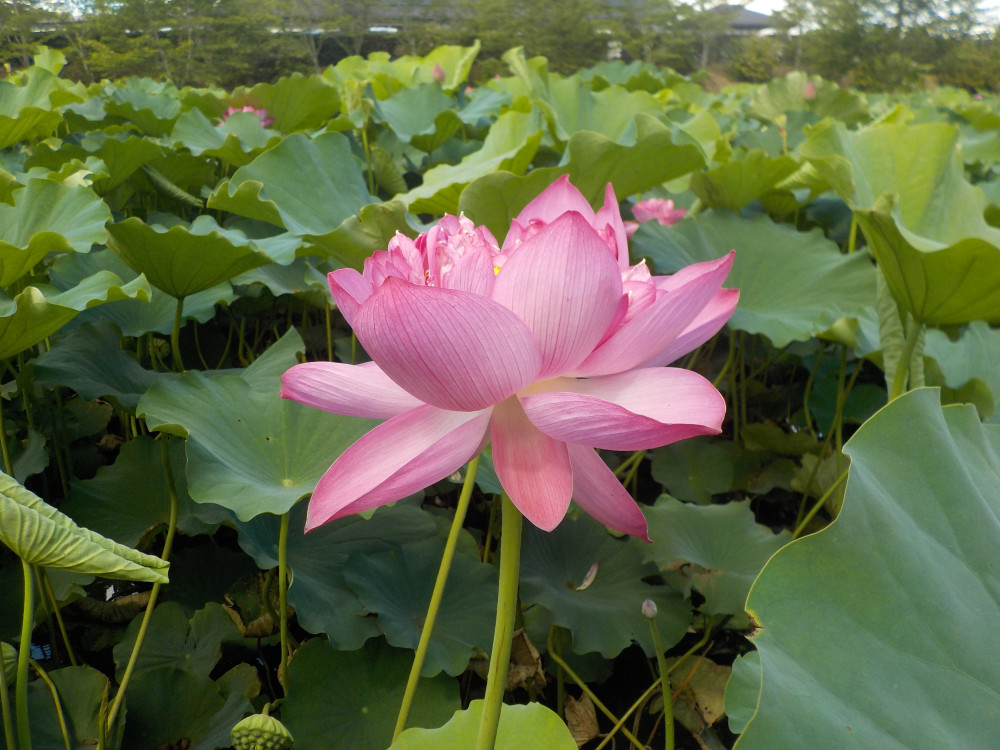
[{"x": 260, "y": 732}]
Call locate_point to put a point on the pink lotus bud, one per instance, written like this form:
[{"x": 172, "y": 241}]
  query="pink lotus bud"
[
  {"x": 809, "y": 91},
  {"x": 261, "y": 113},
  {"x": 658, "y": 208},
  {"x": 439, "y": 74}
]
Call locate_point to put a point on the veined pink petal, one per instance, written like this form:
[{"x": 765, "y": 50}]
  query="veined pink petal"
[
  {"x": 448, "y": 348},
  {"x": 349, "y": 289},
  {"x": 534, "y": 469},
  {"x": 610, "y": 216},
  {"x": 633, "y": 410},
  {"x": 353, "y": 390},
  {"x": 564, "y": 284},
  {"x": 599, "y": 492},
  {"x": 397, "y": 458},
  {"x": 553, "y": 202},
  {"x": 708, "y": 323},
  {"x": 643, "y": 337}
]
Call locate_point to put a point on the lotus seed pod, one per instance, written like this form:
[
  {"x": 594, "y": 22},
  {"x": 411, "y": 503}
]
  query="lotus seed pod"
[
  {"x": 260, "y": 732},
  {"x": 649, "y": 609}
]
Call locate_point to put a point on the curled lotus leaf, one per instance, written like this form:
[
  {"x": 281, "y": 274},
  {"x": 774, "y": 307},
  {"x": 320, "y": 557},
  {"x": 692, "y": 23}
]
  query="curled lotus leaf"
[{"x": 39, "y": 534}]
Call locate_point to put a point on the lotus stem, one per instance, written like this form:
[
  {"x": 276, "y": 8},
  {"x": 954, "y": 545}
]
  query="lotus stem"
[
  {"x": 175, "y": 335},
  {"x": 436, "y": 596},
  {"x": 23, "y": 657},
  {"x": 154, "y": 592},
  {"x": 649, "y": 610},
  {"x": 283, "y": 594},
  {"x": 60, "y": 716},
  {"x": 8, "y": 719},
  {"x": 913, "y": 330},
  {"x": 503, "y": 630}
]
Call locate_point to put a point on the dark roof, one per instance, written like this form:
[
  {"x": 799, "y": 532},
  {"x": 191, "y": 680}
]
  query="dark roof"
[{"x": 743, "y": 19}]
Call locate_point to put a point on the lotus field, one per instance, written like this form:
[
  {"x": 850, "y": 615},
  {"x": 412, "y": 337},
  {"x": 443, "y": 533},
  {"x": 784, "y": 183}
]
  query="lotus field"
[{"x": 319, "y": 394}]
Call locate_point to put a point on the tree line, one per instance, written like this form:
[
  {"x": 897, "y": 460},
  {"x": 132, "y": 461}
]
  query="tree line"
[{"x": 871, "y": 44}]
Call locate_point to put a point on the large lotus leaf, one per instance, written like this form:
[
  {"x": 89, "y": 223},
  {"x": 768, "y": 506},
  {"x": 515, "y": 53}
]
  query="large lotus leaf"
[
  {"x": 793, "y": 285},
  {"x": 456, "y": 62},
  {"x": 93, "y": 364},
  {"x": 942, "y": 285},
  {"x": 606, "y": 615},
  {"x": 573, "y": 107},
  {"x": 858, "y": 642},
  {"x": 81, "y": 691},
  {"x": 356, "y": 695},
  {"x": 238, "y": 140},
  {"x": 716, "y": 549},
  {"x": 785, "y": 95},
  {"x": 413, "y": 111},
  {"x": 41, "y": 535},
  {"x": 510, "y": 145},
  {"x": 742, "y": 691},
  {"x": 696, "y": 469},
  {"x": 120, "y": 156},
  {"x": 496, "y": 198},
  {"x": 361, "y": 235},
  {"x": 520, "y": 727},
  {"x": 975, "y": 354},
  {"x": 174, "y": 707},
  {"x": 322, "y": 600},
  {"x": 483, "y": 106},
  {"x": 295, "y": 102},
  {"x": 26, "y": 109},
  {"x": 308, "y": 186},
  {"x": 47, "y": 217},
  {"x": 595, "y": 160},
  {"x": 135, "y": 317},
  {"x": 184, "y": 260},
  {"x": 121, "y": 501},
  {"x": 740, "y": 181},
  {"x": 248, "y": 449},
  {"x": 39, "y": 312},
  {"x": 149, "y": 104},
  {"x": 175, "y": 641},
  {"x": 396, "y": 584}
]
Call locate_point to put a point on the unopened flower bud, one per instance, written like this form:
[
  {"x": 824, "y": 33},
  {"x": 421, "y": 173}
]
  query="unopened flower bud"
[{"x": 649, "y": 609}]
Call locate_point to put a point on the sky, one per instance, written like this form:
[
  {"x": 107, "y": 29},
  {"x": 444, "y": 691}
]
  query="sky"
[{"x": 765, "y": 6}]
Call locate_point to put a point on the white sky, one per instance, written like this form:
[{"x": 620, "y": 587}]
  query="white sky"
[{"x": 765, "y": 6}]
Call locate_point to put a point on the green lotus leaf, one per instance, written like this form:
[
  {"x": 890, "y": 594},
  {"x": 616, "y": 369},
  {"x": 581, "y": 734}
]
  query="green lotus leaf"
[
  {"x": 414, "y": 110},
  {"x": 361, "y": 235},
  {"x": 784, "y": 95},
  {"x": 295, "y": 102},
  {"x": 184, "y": 260},
  {"x": 248, "y": 449},
  {"x": 81, "y": 693},
  {"x": 238, "y": 140},
  {"x": 742, "y": 691},
  {"x": 135, "y": 317},
  {"x": 41, "y": 535},
  {"x": 975, "y": 354},
  {"x": 93, "y": 364},
  {"x": 572, "y": 106},
  {"x": 322, "y": 600},
  {"x": 793, "y": 285},
  {"x": 149, "y": 104},
  {"x": 126, "y": 500},
  {"x": 716, "y": 549},
  {"x": 497, "y": 198},
  {"x": 357, "y": 694},
  {"x": 923, "y": 222},
  {"x": 740, "y": 181},
  {"x": 510, "y": 145},
  {"x": 26, "y": 106},
  {"x": 38, "y": 312},
  {"x": 605, "y": 616},
  {"x": 307, "y": 186},
  {"x": 696, "y": 469},
  {"x": 595, "y": 160},
  {"x": 858, "y": 641},
  {"x": 111, "y": 158},
  {"x": 456, "y": 61},
  {"x": 47, "y": 217},
  {"x": 396, "y": 585},
  {"x": 520, "y": 727}
]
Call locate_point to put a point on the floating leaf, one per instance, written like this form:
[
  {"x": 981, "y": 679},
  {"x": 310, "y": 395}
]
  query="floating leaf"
[
  {"x": 41, "y": 535},
  {"x": 357, "y": 694},
  {"x": 858, "y": 642},
  {"x": 520, "y": 727}
]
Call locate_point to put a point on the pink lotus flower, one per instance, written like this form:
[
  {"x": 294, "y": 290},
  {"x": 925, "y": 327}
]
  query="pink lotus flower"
[
  {"x": 261, "y": 113},
  {"x": 438, "y": 75},
  {"x": 659, "y": 209},
  {"x": 549, "y": 348},
  {"x": 809, "y": 91}
]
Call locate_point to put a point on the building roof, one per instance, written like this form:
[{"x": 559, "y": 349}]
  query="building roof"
[{"x": 742, "y": 19}]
